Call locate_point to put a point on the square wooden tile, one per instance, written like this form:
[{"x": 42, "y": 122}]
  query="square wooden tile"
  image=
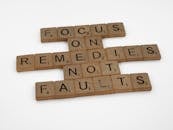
[
  {"x": 25, "y": 63},
  {"x": 60, "y": 59},
  {"x": 109, "y": 67},
  {"x": 43, "y": 61},
  {"x": 151, "y": 52},
  {"x": 75, "y": 44},
  {"x": 91, "y": 70},
  {"x": 84, "y": 87},
  {"x": 96, "y": 55},
  {"x": 82, "y": 31},
  {"x": 122, "y": 83},
  {"x": 64, "y": 89},
  {"x": 103, "y": 85},
  {"x": 140, "y": 82},
  {"x": 133, "y": 53},
  {"x": 78, "y": 57},
  {"x": 116, "y": 30},
  {"x": 72, "y": 71},
  {"x": 49, "y": 35},
  {"x": 99, "y": 30},
  {"x": 45, "y": 90},
  {"x": 65, "y": 32},
  {"x": 115, "y": 54},
  {"x": 93, "y": 43}
]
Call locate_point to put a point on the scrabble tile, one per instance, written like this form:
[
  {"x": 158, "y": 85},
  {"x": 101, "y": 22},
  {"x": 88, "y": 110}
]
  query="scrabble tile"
[
  {"x": 133, "y": 53},
  {"x": 109, "y": 67},
  {"x": 65, "y": 32},
  {"x": 60, "y": 59},
  {"x": 82, "y": 31},
  {"x": 79, "y": 57},
  {"x": 151, "y": 52},
  {"x": 116, "y": 30},
  {"x": 140, "y": 82},
  {"x": 103, "y": 85},
  {"x": 93, "y": 42},
  {"x": 45, "y": 90},
  {"x": 99, "y": 30},
  {"x": 75, "y": 44},
  {"x": 64, "y": 89},
  {"x": 115, "y": 54},
  {"x": 84, "y": 87},
  {"x": 96, "y": 55},
  {"x": 49, "y": 35},
  {"x": 72, "y": 71},
  {"x": 25, "y": 63},
  {"x": 91, "y": 69},
  {"x": 122, "y": 83},
  {"x": 43, "y": 61}
]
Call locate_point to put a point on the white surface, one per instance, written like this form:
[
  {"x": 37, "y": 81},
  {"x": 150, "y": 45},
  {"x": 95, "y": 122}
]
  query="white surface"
[{"x": 147, "y": 21}]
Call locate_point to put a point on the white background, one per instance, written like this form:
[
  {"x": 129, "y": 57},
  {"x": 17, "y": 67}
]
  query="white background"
[{"x": 146, "y": 22}]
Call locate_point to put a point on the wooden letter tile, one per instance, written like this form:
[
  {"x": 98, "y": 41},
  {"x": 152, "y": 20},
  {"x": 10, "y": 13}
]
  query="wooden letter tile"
[
  {"x": 72, "y": 71},
  {"x": 43, "y": 61},
  {"x": 103, "y": 85},
  {"x": 110, "y": 67},
  {"x": 140, "y": 82},
  {"x": 25, "y": 63},
  {"x": 65, "y": 32},
  {"x": 45, "y": 90},
  {"x": 151, "y": 52},
  {"x": 76, "y": 44},
  {"x": 133, "y": 53},
  {"x": 49, "y": 35},
  {"x": 93, "y": 43},
  {"x": 84, "y": 87},
  {"x": 60, "y": 59},
  {"x": 96, "y": 55},
  {"x": 64, "y": 89},
  {"x": 82, "y": 31},
  {"x": 122, "y": 83},
  {"x": 116, "y": 30},
  {"x": 115, "y": 53},
  {"x": 99, "y": 30},
  {"x": 91, "y": 70},
  {"x": 79, "y": 57}
]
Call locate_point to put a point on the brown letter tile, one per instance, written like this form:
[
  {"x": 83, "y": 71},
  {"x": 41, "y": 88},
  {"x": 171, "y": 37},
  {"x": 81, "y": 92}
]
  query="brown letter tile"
[
  {"x": 60, "y": 59},
  {"x": 84, "y": 87},
  {"x": 93, "y": 43},
  {"x": 82, "y": 31},
  {"x": 72, "y": 71},
  {"x": 151, "y": 52},
  {"x": 25, "y": 63},
  {"x": 140, "y": 82},
  {"x": 115, "y": 53},
  {"x": 96, "y": 55},
  {"x": 91, "y": 70},
  {"x": 43, "y": 61},
  {"x": 45, "y": 90},
  {"x": 116, "y": 30},
  {"x": 110, "y": 67},
  {"x": 79, "y": 57},
  {"x": 64, "y": 89},
  {"x": 49, "y": 35},
  {"x": 76, "y": 44},
  {"x": 99, "y": 30},
  {"x": 103, "y": 85},
  {"x": 133, "y": 53},
  {"x": 65, "y": 32},
  {"x": 122, "y": 83}
]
